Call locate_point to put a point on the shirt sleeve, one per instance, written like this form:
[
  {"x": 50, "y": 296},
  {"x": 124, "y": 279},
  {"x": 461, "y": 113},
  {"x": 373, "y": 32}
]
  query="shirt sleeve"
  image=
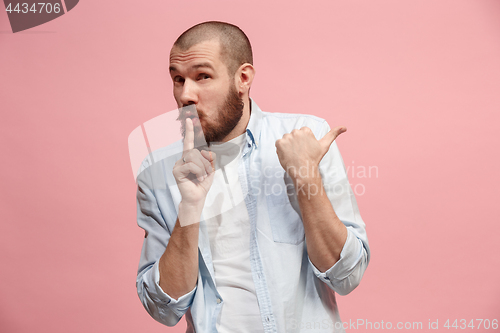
[
  {"x": 157, "y": 227},
  {"x": 345, "y": 275}
]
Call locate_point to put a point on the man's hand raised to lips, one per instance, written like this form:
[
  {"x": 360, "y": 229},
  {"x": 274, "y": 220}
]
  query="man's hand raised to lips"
[
  {"x": 299, "y": 152},
  {"x": 194, "y": 172}
]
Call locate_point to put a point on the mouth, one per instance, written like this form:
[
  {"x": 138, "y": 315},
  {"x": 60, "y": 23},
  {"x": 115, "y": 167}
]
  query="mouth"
[
  {"x": 196, "y": 121},
  {"x": 194, "y": 118}
]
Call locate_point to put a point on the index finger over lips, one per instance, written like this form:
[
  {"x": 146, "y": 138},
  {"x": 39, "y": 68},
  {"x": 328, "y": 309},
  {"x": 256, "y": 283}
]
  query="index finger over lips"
[{"x": 188, "y": 136}]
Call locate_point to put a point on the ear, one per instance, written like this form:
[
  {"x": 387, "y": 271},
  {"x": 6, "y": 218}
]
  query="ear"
[{"x": 244, "y": 78}]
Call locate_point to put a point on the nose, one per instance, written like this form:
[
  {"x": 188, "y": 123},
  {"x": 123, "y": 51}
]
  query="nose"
[{"x": 189, "y": 93}]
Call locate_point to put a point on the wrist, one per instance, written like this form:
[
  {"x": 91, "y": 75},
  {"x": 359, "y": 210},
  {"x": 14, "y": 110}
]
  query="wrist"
[
  {"x": 189, "y": 213},
  {"x": 306, "y": 176}
]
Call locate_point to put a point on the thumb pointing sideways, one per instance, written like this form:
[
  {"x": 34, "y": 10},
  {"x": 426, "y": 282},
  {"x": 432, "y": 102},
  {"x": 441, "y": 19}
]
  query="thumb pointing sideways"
[{"x": 329, "y": 137}]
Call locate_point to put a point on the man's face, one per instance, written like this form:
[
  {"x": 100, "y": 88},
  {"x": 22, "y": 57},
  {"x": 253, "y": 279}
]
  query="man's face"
[{"x": 201, "y": 78}]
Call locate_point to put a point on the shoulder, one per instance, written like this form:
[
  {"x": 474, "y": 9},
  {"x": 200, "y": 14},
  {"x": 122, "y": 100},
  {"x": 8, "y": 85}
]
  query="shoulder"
[
  {"x": 169, "y": 154},
  {"x": 283, "y": 123}
]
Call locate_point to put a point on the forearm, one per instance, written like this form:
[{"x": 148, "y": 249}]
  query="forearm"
[
  {"x": 325, "y": 232},
  {"x": 178, "y": 265}
]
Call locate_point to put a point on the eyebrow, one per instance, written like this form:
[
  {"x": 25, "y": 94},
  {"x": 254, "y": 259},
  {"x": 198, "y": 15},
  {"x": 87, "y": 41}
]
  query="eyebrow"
[{"x": 197, "y": 66}]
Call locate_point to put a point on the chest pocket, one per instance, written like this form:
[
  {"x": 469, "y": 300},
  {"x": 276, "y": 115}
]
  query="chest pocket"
[{"x": 286, "y": 222}]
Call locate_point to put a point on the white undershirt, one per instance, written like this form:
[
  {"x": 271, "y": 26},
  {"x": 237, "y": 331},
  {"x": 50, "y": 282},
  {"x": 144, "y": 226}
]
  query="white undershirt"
[{"x": 229, "y": 235}]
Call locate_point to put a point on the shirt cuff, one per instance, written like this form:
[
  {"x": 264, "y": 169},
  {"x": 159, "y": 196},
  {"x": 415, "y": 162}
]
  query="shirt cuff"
[
  {"x": 350, "y": 255},
  {"x": 182, "y": 303}
]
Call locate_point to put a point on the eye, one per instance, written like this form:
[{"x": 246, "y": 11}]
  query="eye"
[
  {"x": 178, "y": 79},
  {"x": 203, "y": 76}
]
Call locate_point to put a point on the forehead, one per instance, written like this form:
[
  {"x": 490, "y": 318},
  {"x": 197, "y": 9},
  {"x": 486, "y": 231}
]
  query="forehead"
[{"x": 206, "y": 52}]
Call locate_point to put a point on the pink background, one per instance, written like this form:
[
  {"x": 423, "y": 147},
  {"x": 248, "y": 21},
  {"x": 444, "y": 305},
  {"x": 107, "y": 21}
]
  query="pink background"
[{"x": 416, "y": 83}]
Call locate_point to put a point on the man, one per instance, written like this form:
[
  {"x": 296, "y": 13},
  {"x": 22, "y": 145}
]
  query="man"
[{"x": 273, "y": 261}]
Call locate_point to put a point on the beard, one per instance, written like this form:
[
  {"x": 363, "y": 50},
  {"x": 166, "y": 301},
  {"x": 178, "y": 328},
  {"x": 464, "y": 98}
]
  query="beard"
[{"x": 227, "y": 117}]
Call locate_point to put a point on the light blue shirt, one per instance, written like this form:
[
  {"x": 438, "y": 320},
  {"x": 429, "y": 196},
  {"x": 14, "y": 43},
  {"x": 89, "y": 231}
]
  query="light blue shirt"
[{"x": 293, "y": 295}]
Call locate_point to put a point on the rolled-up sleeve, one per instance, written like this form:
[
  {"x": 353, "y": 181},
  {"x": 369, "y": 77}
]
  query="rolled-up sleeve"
[
  {"x": 345, "y": 275},
  {"x": 159, "y": 304}
]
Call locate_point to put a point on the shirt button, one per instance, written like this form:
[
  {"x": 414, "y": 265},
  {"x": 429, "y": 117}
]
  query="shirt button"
[{"x": 218, "y": 300}]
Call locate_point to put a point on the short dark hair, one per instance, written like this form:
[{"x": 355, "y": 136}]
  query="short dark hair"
[{"x": 235, "y": 48}]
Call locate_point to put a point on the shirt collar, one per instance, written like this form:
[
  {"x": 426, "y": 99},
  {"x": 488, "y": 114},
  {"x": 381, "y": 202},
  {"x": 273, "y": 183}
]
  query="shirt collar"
[{"x": 254, "y": 124}]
